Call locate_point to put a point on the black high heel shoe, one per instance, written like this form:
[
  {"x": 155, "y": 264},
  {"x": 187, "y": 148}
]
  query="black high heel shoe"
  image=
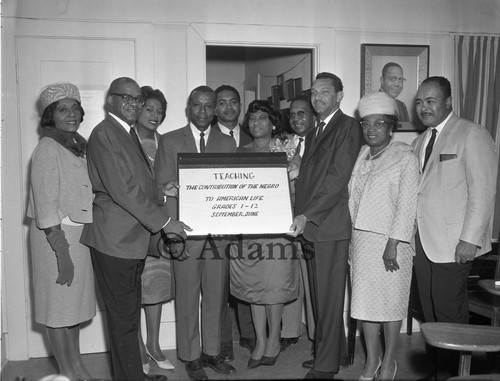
[
  {"x": 266, "y": 360},
  {"x": 253, "y": 363}
]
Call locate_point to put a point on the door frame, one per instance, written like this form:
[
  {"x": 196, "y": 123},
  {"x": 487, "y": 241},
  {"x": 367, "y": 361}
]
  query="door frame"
[{"x": 15, "y": 282}]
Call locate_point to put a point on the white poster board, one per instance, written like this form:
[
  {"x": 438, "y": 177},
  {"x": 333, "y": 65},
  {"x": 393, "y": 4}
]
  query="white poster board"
[{"x": 240, "y": 193}]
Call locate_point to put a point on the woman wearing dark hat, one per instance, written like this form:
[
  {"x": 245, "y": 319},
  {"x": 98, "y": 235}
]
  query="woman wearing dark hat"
[
  {"x": 60, "y": 202},
  {"x": 382, "y": 203}
]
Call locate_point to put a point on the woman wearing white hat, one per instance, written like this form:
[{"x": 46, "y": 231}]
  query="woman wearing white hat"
[
  {"x": 60, "y": 202},
  {"x": 382, "y": 203}
]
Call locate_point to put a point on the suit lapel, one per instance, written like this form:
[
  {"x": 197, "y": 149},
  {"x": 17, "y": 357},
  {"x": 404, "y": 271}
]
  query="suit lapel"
[
  {"x": 323, "y": 137},
  {"x": 134, "y": 147},
  {"x": 189, "y": 141},
  {"x": 438, "y": 145}
]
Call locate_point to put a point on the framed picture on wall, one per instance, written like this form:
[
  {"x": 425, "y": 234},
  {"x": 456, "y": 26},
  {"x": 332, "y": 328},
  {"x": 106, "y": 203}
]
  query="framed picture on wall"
[
  {"x": 281, "y": 86},
  {"x": 275, "y": 95},
  {"x": 398, "y": 70},
  {"x": 289, "y": 89},
  {"x": 297, "y": 86}
]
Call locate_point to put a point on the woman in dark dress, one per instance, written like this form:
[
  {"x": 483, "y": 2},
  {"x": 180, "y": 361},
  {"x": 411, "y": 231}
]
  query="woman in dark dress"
[
  {"x": 156, "y": 277},
  {"x": 261, "y": 277}
]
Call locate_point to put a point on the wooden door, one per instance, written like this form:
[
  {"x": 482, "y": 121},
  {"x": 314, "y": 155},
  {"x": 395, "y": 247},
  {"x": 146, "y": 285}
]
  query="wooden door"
[{"x": 91, "y": 64}]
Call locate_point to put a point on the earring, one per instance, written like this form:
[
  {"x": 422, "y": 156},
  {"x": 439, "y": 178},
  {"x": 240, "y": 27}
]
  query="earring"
[{"x": 274, "y": 127}]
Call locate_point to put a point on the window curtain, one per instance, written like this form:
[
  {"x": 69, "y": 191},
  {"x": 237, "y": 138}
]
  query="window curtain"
[{"x": 477, "y": 90}]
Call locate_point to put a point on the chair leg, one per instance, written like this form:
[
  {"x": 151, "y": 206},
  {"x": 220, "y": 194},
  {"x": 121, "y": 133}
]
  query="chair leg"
[
  {"x": 495, "y": 319},
  {"x": 464, "y": 365}
]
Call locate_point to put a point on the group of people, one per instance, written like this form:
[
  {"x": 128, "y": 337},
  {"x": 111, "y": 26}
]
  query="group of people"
[{"x": 362, "y": 204}]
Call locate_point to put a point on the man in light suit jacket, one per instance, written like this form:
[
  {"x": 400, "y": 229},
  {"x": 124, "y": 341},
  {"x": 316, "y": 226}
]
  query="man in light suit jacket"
[
  {"x": 456, "y": 198},
  {"x": 197, "y": 273},
  {"x": 322, "y": 217},
  {"x": 125, "y": 213},
  {"x": 227, "y": 111}
]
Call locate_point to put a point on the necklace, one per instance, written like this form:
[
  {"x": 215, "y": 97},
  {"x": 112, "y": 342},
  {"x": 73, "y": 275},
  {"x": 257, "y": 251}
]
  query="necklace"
[
  {"x": 368, "y": 164},
  {"x": 371, "y": 157},
  {"x": 146, "y": 145}
]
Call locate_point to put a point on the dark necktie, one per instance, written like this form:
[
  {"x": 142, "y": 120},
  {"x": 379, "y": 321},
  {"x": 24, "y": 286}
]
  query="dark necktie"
[
  {"x": 232, "y": 135},
  {"x": 202, "y": 142},
  {"x": 428, "y": 149},
  {"x": 299, "y": 146},
  {"x": 319, "y": 130},
  {"x": 135, "y": 138}
]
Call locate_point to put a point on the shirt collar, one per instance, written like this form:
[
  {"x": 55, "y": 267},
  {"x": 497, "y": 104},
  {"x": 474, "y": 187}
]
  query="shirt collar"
[
  {"x": 226, "y": 130},
  {"x": 329, "y": 117},
  {"x": 440, "y": 126},
  {"x": 122, "y": 123},
  {"x": 196, "y": 132}
]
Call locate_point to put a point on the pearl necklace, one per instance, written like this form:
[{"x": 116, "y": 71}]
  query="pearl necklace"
[
  {"x": 140, "y": 141},
  {"x": 371, "y": 157},
  {"x": 368, "y": 164}
]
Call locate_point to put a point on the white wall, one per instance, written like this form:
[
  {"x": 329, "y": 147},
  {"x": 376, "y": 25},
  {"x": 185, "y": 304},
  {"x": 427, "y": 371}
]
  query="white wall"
[
  {"x": 181, "y": 29},
  {"x": 230, "y": 73}
]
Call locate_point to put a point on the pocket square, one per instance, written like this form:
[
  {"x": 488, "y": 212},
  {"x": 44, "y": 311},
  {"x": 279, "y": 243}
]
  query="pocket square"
[{"x": 447, "y": 156}]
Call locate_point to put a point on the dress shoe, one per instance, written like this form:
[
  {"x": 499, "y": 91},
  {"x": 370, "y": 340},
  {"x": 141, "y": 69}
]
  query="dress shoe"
[
  {"x": 195, "y": 370},
  {"x": 155, "y": 377},
  {"x": 317, "y": 375},
  {"x": 248, "y": 343},
  {"x": 217, "y": 364},
  {"x": 287, "y": 341},
  {"x": 266, "y": 360},
  {"x": 253, "y": 363},
  {"x": 163, "y": 364},
  {"x": 308, "y": 364},
  {"x": 226, "y": 351}
]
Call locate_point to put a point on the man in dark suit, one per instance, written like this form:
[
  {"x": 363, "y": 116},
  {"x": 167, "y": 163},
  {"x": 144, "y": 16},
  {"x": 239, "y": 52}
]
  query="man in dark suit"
[
  {"x": 322, "y": 217},
  {"x": 125, "y": 213},
  {"x": 197, "y": 273},
  {"x": 227, "y": 111},
  {"x": 302, "y": 120},
  {"x": 392, "y": 82}
]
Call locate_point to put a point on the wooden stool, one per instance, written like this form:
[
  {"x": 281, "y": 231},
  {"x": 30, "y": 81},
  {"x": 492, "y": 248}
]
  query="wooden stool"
[{"x": 465, "y": 338}]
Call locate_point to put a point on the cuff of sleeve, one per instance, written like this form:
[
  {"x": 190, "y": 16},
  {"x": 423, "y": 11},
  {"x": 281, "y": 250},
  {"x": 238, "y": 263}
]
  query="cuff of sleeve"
[{"x": 166, "y": 222}]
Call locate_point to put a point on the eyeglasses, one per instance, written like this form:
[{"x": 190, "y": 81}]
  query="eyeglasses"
[
  {"x": 395, "y": 79},
  {"x": 378, "y": 123},
  {"x": 130, "y": 99}
]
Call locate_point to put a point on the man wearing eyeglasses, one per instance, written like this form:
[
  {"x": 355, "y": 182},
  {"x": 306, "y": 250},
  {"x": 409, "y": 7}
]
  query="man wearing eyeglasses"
[
  {"x": 392, "y": 83},
  {"x": 125, "y": 213},
  {"x": 302, "y": 120}
]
